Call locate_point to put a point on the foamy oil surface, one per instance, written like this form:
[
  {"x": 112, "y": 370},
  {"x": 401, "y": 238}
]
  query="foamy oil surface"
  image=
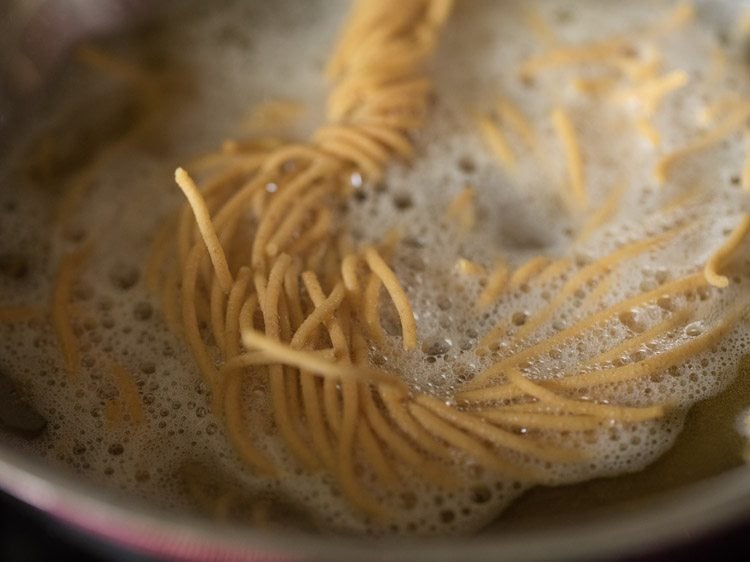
[{"x": 211, "y": 68}]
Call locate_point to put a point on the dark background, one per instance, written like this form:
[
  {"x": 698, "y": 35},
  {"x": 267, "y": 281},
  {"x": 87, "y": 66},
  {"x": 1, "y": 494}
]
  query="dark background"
[{"x": 26, "y": 535}]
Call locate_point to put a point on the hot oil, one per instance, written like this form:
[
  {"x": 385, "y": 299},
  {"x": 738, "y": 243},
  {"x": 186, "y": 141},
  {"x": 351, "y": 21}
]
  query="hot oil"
[{"x": 210, "y": 68}]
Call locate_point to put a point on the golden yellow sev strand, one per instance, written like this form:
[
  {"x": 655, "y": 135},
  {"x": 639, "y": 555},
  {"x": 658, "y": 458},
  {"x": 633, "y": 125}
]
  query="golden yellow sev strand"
[
  {"x": 279, "y": 206},
  {"x": 236, "y": 429},
  {"x": 541, "y": 420},
  {"x": 743, "y": 24},
  {"x": 496, "y": 283},
  {"x": 112, "y": 413},
  {"x": 497, "y": 141},
  {"x": 730, "y": 124},
  {"x": 643, "y": 68},
  {"x": 724, "y": 252},
  {"x": 594, "y": 86},
  {"x": 462, "y": 209},
  {"x": 349, "y": 273},
  {"x": 400, "y": 447},
  {"x": 623, "y": 413},
  {"x": 539, "y": 26},
  {"x": 313, "y": 363},
  {"x": 190, "y": 318},
  {"x": 651, "y": 93},
  {"x": 682, "y": 14},
  {"x": 681, "y": 199},
  {"x": 397, "y": 294},
  {"x": 128, "y": 390},
  {"x": 394, "y": 140},
  {"x": 491, "y": 337},
  {"x": 398, "y": 410},
  {"x": 526, "y": 271},
  {"x": 372, "y": 148},
  {"x": 725, "y": 104},
  {"x": 518, "y": 387},
  {"x": 114, "y": 66},
  {"x": 345, "y": 151},
  {"x": 235, "y": 303},
  {"x": 555, "y": 270},
  {"x": 566, "y": 56},
  {"x": 19, "y": 314},
  {"x": 510, "y": 113},
  {"x": 379, "y": 462},
  {"x": 61, "y": 308},
  {"x": 468, "y": 267},
  {"x": 217, "y": 314},
  {"x": 371, "y": 309},
  {"x": 563, "y": 125},
  {"x": 317, "y": 232},
  {"x": 322, "y": 313},
  {"x": 648, "y": 130},
  {"x": 591, "y": 300},
  {"x": 203, "y": 218},
  {"x": 604, "y": 213},
  {"x": 254, "y": 358}
]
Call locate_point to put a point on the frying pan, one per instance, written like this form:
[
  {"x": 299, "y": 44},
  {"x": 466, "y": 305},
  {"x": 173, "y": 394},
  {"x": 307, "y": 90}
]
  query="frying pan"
[{"x": 35, "y": 36}]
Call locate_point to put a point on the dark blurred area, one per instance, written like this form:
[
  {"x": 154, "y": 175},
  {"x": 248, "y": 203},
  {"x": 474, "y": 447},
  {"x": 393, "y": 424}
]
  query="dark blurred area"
[
  {"x": 35, "y": 35},
  {"x": 26, "y": 535}
]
